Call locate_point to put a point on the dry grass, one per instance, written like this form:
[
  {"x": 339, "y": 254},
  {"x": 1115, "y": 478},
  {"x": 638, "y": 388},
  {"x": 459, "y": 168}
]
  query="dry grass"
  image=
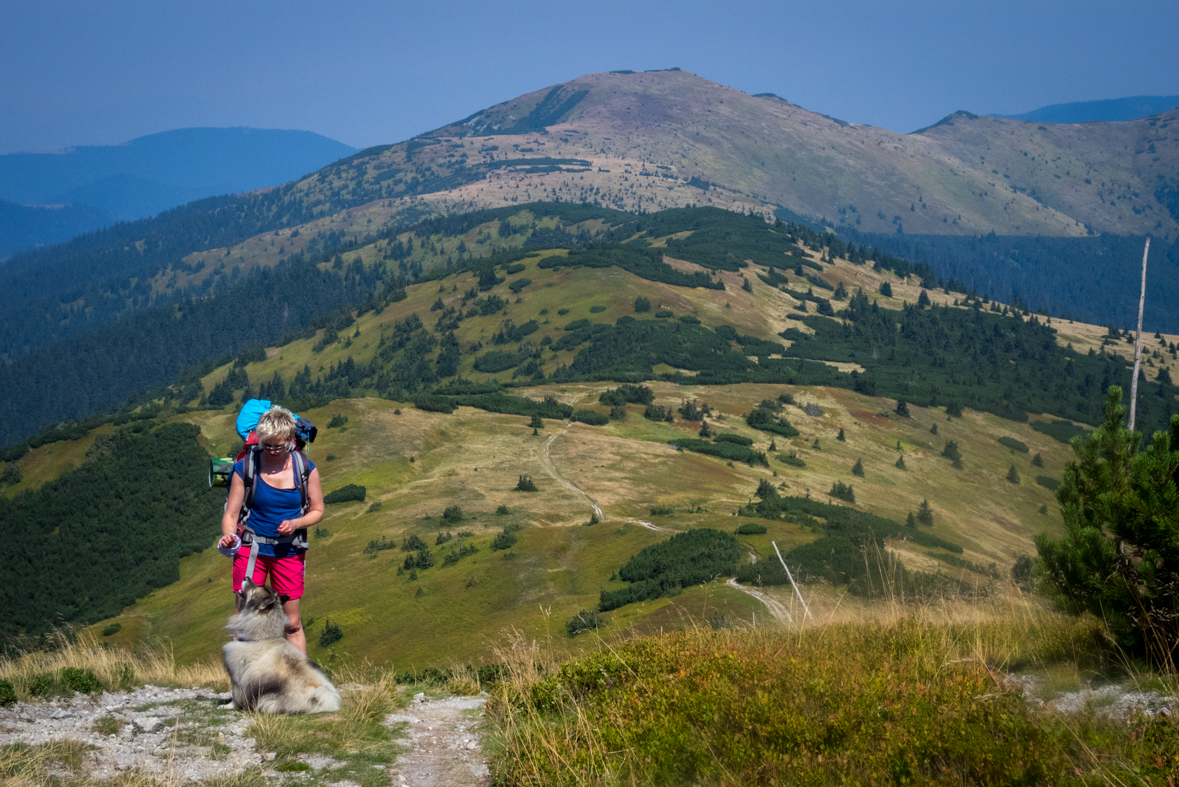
[
  {"x": 564, "y": 723},
  {"x": 117, "y": 668}
]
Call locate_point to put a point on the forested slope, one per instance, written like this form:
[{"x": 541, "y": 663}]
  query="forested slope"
[{"x": 87, "y": 544}]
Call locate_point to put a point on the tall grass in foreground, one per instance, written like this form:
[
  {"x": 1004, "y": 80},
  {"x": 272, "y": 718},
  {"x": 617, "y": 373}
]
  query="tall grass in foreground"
[
  {"x": 903, "y": 695},
  {"x": 117, "y": 668}
]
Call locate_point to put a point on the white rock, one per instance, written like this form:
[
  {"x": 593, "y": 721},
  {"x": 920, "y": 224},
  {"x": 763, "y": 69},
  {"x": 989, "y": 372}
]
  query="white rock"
[{"x": 148, "y": 723}]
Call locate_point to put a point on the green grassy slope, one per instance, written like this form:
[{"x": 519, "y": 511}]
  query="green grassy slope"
[{"x": 417, "y": 463}]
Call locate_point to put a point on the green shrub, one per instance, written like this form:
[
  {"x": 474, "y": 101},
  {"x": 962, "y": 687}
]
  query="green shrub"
[
  {"x": 502, "y": 510},
  {"x": 1049, "y": 483},
  {"x": 505, "y": 539},
  {"x": 374, "y": 508},
  {"x": 111, "y": 629},
  {"x": 81, "y": 680},
  {"x": 842, "y": 491},
  {"x": 412, "y": 543},
  {"x": 662, "y": 510},
  {"x": 65, "y": 682},
  {"x": 453, "y": 514},
  {"x": 585, "y": 620},
  {"x": 337, "y": 421},
  {"x": 663, "y": 314},
  {"x": 642, "y": 305},
  {"x": 735, "y": 439},
  {"x": 422, "y": 559},
  {"x": 346, "y": 494},
  {"x": 7, "y": 694},
  {"x": 736, "y": 453},
  {"x": 685, "y": 559},
  {"x": 597, "y": 309},
  {"x": 1013, "y": 444},
  {"x": 525, "y": 484},
  {"x": 590, "y": 417},
  {"x": 379, "y": 545},
  {"x": 751, "y": 529},
  {"x": 688, "y": 319},
  {"x": 627, "y": 394},
  {"x": 331, "y": 634},
  {"x": 654, "y": 412},
  {"x": 765, "y": 417},
  {"x": 1064, "y": 431},
  {"x": 791, "y": 459}
]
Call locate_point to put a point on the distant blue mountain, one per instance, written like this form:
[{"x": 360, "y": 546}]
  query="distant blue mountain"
[
  {"x": 23, "y": 227},
  {"x": 1108, "y": 110},
  {"x": 103, "y": 184},
  {"x": 130, "y": 196}
]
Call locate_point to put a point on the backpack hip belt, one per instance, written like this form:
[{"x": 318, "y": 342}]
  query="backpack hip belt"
[{"x": 298, "y": 540}]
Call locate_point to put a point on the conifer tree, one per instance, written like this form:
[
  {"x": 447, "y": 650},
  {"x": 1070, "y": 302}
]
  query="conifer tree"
[
  {"x": 1118, "y": 558},
  {"x": 901, "y": 463},
  {"x": 858, "y": 468},
  {"x": 1013, "y": 475},
  {"x": 841, "y": 438}
]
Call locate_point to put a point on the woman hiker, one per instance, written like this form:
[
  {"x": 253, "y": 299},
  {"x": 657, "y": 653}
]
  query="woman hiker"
[{"x": 274, "y": 535}]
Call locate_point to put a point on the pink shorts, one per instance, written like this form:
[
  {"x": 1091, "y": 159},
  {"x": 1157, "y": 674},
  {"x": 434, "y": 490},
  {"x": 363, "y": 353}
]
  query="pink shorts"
[{"x": 286, "y": 573}]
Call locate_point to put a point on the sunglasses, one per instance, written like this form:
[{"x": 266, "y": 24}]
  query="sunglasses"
[{"x": 281, "y": 448}]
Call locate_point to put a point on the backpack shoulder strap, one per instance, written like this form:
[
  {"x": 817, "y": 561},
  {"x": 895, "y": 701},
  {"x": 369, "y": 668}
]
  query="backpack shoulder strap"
[
  {"x": 302, "y": 472},
  {"x": 249, "y": 478}
]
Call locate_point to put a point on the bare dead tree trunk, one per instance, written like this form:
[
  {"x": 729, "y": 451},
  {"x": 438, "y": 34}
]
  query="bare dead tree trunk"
[{"x": 1138, "y": 339}]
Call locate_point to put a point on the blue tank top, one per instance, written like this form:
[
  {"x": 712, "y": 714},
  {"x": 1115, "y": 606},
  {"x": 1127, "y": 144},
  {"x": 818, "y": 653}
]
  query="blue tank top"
[{"x": 271, "y": 506}]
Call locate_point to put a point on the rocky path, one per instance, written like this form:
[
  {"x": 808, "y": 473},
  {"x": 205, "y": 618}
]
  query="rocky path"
[
  {"x": 184, "y": 736},
  {"x": 445, "y": 748},
  {"x": 138, "y": 731}
]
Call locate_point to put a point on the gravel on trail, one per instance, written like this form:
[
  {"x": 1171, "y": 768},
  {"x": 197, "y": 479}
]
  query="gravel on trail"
[
  {"x": 445, "y": 748},
  {"x": 184, "y": 735},
  {"x": 148, "y": 739}
]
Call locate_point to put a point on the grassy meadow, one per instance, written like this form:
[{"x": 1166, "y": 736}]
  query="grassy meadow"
[{"x": 416, "y": 464}]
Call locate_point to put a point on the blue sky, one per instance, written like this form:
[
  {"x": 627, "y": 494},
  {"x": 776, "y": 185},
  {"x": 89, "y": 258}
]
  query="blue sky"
[{"x": 372, "y": 72}]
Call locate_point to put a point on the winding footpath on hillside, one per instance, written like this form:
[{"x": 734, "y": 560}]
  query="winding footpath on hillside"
[{"x": 775, "y": 608}]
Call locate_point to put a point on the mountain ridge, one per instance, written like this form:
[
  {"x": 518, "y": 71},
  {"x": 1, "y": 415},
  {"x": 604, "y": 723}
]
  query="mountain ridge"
[{"x": 1109, "y": 110}]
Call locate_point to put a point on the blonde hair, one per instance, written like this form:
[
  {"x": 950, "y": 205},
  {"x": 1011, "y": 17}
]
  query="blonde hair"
[{"x": 276, "y": 422}]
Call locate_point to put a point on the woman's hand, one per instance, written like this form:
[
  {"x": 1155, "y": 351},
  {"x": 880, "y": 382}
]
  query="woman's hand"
[
  {"x": 288, "y": 526},
  {"x": 228, "y": 540}
]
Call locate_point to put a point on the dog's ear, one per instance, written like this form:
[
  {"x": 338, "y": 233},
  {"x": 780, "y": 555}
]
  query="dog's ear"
[{"x": 284, "y": 598}]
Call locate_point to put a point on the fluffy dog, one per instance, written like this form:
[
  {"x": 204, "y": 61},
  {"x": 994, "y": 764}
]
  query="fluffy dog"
[{"x": 267, "y": 673}]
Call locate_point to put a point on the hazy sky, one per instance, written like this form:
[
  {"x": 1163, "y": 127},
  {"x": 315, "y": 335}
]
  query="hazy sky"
[{"x": 367, "y": 73}]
